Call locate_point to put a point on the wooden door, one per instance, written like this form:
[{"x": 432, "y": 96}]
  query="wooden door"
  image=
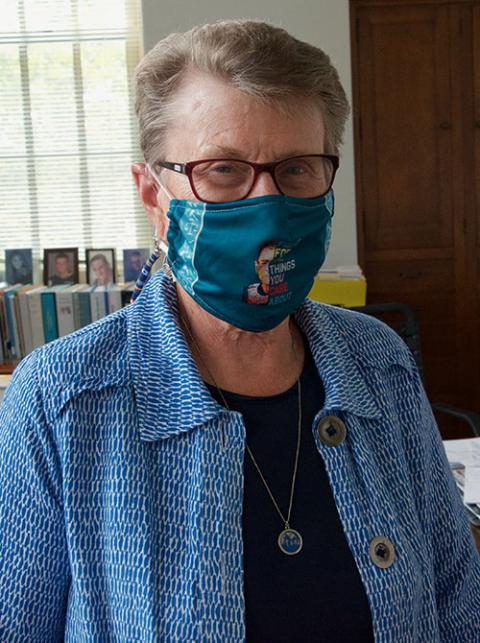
[
  {"x": 413, "y": 78},
  {"x": 475, "y": 233}
]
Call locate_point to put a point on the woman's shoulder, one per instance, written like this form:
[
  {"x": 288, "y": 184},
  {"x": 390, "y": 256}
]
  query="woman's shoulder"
[
  {"x": 93, "y": 357},
  {"x": 369, "y": 339},
  {"x": 91, "y": 351}
]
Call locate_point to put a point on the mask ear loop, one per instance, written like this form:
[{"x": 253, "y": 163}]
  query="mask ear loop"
[
  {"x": 160, "y": 248},
  {"x": 143, "y": 276}
]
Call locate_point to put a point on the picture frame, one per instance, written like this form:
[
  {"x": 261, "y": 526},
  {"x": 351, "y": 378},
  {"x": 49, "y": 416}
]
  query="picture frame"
[
  {"x": 101, "y": 266},
  {"x": 133, "y": 261},
  {"x": 60, "y": 266},
  {"x": 18, "y": 266}
]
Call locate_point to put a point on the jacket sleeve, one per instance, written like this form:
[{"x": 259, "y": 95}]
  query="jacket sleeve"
[
  {"x": 455, "y": 557},
  {"x": 34, "y": 568}
]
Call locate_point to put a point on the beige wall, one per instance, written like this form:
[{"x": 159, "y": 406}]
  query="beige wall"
[{"x": 324, "y": 23}]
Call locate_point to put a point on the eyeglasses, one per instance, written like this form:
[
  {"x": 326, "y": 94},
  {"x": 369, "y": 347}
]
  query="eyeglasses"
[{"x": 220, "y": 180}]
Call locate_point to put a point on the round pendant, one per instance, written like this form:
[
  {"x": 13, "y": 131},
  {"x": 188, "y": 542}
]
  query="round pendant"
[{"x": 290, "y": 542}]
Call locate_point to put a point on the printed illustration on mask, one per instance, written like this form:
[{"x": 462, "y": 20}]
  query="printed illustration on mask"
[{"x": 272, "y": 265}]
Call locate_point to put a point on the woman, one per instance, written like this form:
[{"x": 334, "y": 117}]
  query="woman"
[{"x": 207, "y": 465}]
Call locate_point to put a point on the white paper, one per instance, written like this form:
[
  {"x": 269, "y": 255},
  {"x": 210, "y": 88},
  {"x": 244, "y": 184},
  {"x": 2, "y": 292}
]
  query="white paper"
[
  {"x": 471, "y": 492},
  {"x": 467, "y": 451}
]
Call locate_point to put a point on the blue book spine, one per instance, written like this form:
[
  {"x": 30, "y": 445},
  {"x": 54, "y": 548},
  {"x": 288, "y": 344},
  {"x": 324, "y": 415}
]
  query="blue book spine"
[
  {"x": 49, "y": 316},
  {"x": 10, "y": 322},
  {"x": 85, "y": 314}
]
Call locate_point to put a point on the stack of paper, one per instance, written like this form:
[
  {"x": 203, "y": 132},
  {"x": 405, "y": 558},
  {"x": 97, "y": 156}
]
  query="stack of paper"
[
  {"x": 464, "y": 458},
  {"x": 341, "y": 272}
]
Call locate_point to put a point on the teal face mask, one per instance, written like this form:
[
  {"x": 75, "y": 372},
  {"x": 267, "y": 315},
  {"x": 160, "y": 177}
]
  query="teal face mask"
[{"x": 250, "y": 263}]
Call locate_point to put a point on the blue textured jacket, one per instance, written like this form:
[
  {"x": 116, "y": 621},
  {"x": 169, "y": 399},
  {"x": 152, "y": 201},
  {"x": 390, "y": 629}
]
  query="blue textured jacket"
[{"x": 121, "y": 485}]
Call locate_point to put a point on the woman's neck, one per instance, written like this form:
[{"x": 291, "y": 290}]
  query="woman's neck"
[{"x": 248, "y": 363}]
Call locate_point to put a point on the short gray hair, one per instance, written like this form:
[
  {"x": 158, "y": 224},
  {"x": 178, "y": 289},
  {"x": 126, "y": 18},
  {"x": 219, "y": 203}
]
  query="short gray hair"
[{"x": 255, "y": 57}]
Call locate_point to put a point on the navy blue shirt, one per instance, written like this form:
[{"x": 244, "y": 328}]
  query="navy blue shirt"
[{"x": 317, "y": 594}]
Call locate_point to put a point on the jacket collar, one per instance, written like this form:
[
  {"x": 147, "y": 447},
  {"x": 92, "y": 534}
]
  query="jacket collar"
[{"x": 170, "y": 395}]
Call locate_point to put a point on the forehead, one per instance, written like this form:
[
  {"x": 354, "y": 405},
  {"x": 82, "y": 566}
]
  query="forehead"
[{"x": 213, "y": 118}]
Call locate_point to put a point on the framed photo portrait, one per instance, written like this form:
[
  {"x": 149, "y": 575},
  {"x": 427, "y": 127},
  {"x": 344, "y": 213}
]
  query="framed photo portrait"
[
  {"x": 18, "y": 266},
  {"x": 100, "y": 266},
  {"x": 60, "y": 266},
  {"x": 133, "y": 262}
]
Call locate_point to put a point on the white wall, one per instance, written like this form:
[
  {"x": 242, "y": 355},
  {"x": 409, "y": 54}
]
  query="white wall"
[{"x": 324, "y": 23}]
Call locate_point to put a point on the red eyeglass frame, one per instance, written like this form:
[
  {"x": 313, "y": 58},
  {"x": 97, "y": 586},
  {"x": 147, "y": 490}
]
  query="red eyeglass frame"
[{"x": 258, "y": 168}]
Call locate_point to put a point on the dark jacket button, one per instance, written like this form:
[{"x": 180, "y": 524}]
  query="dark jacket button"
[
  {"x": 331, "y": 431},
  {"x": 382, "y": 551}
]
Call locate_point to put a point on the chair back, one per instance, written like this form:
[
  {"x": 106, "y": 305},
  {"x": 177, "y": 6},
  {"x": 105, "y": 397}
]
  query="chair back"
[{"x": 402, "y": 319}]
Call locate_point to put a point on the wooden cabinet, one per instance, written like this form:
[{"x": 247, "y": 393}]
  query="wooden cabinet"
[{"x": 416, "y": 106}]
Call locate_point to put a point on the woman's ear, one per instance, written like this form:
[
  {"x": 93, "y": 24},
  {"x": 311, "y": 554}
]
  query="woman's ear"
[{"x": 154, "y": 201}]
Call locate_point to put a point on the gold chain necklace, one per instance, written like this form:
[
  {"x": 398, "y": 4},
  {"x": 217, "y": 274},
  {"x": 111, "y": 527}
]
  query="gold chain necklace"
[{"x": 289, "y": 540}]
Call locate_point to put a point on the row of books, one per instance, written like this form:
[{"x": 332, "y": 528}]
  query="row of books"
[{"x": 33, "y": 315}]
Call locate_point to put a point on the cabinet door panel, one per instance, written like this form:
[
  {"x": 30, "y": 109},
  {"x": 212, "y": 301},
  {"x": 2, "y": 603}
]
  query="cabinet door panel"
[
  {"x": 476, "y": 124},
  {"x": 406, "y": 127},
  {"x": 427, "y": 277}
]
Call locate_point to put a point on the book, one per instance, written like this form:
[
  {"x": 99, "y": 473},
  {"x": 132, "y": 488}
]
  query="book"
[
  {"x": 64, "y": 310},
  {"x": 12, "y": 328},
  {"x": 98, "y": 308},
  {"x": 24, "y": 318},
  {"x": 49, "y": 311},
  {"x": 3, "y": 285},
  {"x": 74, "y": 290},
  {"x": 34, "y": 299},
  {"x": 83, "y": 295},
  {"x": 114, "y": 293},
  {"x": 3, "y": 323},
  {"x": 18, "y": 322}
]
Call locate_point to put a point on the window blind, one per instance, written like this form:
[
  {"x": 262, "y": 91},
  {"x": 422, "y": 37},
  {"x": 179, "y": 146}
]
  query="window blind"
[{"x": 68, "y": 133}]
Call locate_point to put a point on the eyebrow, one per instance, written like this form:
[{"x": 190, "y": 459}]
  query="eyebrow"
[
  {"x": 229, "y": 151},
  {"x": 234, "y": 153}
]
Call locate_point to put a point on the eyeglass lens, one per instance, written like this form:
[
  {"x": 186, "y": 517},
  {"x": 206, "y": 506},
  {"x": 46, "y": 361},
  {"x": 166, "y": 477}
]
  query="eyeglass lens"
[{"x": 229, "y": 180}]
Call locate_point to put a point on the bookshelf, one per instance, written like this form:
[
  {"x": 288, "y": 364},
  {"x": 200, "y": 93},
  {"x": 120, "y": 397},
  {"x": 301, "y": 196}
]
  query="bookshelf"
[
  {"x": 7, "y": 367},
  {"x": 33, "y": 315}
]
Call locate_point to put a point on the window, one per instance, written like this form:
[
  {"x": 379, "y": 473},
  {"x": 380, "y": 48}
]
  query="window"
[{"x": 68, "y": 133}]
